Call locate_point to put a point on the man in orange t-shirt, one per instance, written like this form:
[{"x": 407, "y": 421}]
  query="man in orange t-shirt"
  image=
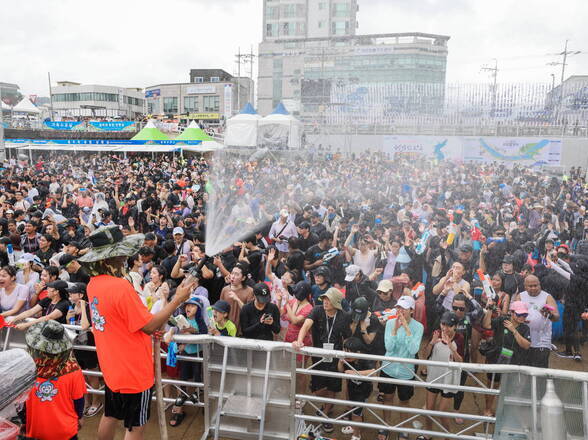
[{"x": 121, "y": 325}]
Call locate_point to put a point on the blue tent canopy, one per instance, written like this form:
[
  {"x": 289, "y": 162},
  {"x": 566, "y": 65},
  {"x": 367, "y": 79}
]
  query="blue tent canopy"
[
  {"x": 280, "y": 110},
  {"x": 248, "y": 110}
]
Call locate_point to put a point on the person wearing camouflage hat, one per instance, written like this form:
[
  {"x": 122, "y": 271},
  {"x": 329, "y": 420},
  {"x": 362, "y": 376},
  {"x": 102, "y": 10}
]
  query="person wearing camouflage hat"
[
  {"x": 122, "y": 326},
  {"x": 55, "y": 406}
]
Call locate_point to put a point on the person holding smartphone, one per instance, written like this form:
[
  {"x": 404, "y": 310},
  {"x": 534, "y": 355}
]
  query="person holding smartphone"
[{"x": 260, "y": 319}]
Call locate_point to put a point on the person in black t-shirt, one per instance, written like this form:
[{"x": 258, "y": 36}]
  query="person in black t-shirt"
[
  {"x": 70, "y": 264},
  {"x": 512, "y": 338},
  {"x": 330, "y": 327},
  {"x": 260, "y": 319},
  {"x": 307, "y": 238},
  {"x": 315, "y": 254},
  {"x": 364, "y": 325},
  {"x": 55, "y": 306},
  {"x": 357, "y": 390}
]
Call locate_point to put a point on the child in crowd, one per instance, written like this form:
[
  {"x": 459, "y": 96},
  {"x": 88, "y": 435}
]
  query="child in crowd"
[{"x": 221, "y": 325}]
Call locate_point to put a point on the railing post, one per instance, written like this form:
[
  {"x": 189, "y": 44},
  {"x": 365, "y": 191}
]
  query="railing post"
[{"x": 293, "y": 382}]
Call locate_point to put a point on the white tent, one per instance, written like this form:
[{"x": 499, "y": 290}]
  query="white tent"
[
  {"x": 242, "y": 128},
  {"x": 26, "y": 106},
  {"x": 279, "y": 131}
]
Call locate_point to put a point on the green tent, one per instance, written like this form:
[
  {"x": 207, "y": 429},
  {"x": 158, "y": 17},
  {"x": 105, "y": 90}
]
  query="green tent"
[
  {"x": 193, "y": 133},
  {"x": 150, "y": 133}
]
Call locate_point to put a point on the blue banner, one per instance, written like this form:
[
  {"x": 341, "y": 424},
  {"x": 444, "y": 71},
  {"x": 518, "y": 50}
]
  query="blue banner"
[
  {"x": 98, "y": 142},
  {"x": 61, "y": 125},
  {"x": 112, "y": 126}
]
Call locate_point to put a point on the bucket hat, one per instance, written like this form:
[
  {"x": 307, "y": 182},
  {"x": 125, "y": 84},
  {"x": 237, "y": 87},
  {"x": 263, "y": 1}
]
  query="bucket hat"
[
  {"x": 48, "y": 337},
  {"x": 109, "y": 242}
]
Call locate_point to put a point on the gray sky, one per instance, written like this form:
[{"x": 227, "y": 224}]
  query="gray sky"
[{"x": 146, "y": 42}]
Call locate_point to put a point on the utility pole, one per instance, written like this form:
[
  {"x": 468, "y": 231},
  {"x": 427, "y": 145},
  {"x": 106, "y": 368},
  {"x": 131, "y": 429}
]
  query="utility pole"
[
  {"x": 245, "y": 58},
  {"x": 50, "y": 96},
  {"x": 563, "y": 65},
  {"x": 494, "y": 72}
]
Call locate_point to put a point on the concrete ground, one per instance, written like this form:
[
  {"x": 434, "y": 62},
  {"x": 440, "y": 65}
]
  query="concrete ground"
[{"x": 192, "y": 426}]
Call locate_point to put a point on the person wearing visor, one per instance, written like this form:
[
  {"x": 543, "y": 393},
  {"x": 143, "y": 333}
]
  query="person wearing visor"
[
  {"x": 260, "y": 319},
  {"x": 76, "y": 273}
]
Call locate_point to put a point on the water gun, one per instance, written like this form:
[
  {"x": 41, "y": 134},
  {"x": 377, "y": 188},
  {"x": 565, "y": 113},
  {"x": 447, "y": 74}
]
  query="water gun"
[
  {"x": 331, "y": 253},
  {"x": 476, "y": 236},
  {"x": 418, "y": 290},
  {"x": 490, "y": 292},
  {"x": 422, "y": 243},
  {"x": 451, "y": 235},
  {"x": 386, "y": 314}
]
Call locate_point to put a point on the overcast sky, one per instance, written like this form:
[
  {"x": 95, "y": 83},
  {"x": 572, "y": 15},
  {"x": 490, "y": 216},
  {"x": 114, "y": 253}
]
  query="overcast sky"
[{"x": 145, "y": 42}]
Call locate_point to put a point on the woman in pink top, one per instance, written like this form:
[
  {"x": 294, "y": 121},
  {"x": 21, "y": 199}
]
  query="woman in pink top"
[{"x": 296, "y": 311}]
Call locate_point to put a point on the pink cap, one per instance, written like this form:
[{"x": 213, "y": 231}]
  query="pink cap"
[{"x": 519, "y": 307}]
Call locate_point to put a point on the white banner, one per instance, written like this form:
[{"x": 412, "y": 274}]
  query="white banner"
[
  {"x": 529, "y": 151},
  {"x": 200, "y": 89},
  {"x": 228, "y": 108}
]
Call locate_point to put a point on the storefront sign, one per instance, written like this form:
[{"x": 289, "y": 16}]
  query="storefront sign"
[
  {"x": 204, "y": 116},
  {"x": 200, "y": 89}
]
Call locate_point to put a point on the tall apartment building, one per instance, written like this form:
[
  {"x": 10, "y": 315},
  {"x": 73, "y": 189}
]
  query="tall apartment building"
[{"x": 298, "y": 19}]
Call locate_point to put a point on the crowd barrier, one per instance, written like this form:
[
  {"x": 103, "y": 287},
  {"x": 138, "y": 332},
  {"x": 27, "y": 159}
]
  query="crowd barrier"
[{"x": 249, "y": 391}]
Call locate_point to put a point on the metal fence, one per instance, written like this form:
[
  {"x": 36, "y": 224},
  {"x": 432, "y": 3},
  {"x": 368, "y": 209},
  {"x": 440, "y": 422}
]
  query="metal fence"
[{"x": 248, "y": 391}]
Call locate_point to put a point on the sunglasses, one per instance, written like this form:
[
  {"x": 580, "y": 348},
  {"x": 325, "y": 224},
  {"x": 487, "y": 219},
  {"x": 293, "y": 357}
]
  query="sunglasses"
[
  {"x": 380, "y": 292},
  {"x": 521, "y": 315},
  {"x": 460, "y": 309}
]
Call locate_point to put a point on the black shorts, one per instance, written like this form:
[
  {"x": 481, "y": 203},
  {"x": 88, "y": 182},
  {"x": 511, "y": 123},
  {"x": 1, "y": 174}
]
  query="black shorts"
[
  {"x": 332, "y": 384},
  {"x": 496, "y": 377},
  {"x": 190, "y": 371},
  {"x": 444, "y": 394},
  {"x": 358, "y": 396},
  {"x": 133, "y": 409},
  {"x": 405, "y": 392}
]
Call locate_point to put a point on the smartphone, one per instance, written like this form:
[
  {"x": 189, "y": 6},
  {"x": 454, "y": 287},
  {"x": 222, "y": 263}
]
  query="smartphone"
[{"x": 266, "y": 316}]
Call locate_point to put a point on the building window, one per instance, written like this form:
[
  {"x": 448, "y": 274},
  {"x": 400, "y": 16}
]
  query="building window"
[
  {"x": 341, "y": 9},
  {"x": 340, "y": 28},
  {"x": 271, "y": 30},
  {"x": 272, "y": 12},
  {"x": 170, "y": 105},
  {"x": 198, "y": 79},
  {"x": 322, "y": 6},
  {"x": 153, "y": 106},
  {"x": 214, "y": 79},
  {"x": 211, "y": 103},
  {"x": 289, "y": 11},
  {"x": 286, "y": 29},
  {"x": 191, "y": 104}
]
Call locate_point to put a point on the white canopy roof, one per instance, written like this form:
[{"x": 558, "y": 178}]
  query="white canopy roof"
[{"x": 26, "y": 106}]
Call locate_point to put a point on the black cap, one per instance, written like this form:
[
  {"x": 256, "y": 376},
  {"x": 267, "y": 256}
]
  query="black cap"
[
  {"x": 304, "y": 225},
  {"x": 359, "y": 308},
  {"x": 75, "y": 244},
  {"x": 450, "y": 319},
  {"x": 466, "y": 248},
  {"x": 222, "y": 306},
  {"x": 58, "y": 285},
  {"x": 508, "y": 259},
  {"x": 65, "y": 259},
  {"x": 262, "y": 293},
  {"x": 72, "y": 222},
  {"x": 77, "y": 288}
]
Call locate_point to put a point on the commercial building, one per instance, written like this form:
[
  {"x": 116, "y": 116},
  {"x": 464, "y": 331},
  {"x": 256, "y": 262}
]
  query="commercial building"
[
  {"x": 71, "y": 99},
  {"x": 212, "y": 95},
  {"x": 300, "y": 19},
  {"x": 326, "y": 69},
  {"x": 9, "y": 93}
]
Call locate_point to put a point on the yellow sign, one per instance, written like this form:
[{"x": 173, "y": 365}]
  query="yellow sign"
[{"x": 204, "y": 116}]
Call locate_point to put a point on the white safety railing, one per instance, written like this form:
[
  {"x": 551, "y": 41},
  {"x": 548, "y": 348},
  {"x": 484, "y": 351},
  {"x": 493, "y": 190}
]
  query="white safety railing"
[{"x": 262, "y": 373}]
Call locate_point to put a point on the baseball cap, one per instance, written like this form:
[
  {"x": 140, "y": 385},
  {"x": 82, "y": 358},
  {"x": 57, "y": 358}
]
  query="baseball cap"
[
  {"x": 351, "y": 272},
  {"x": 508, "y": 259},
  {"x": 359, "y": 309},
  {"x": 284, "y": 213},
  {"x": 449, "y": 318},
  {"x": 406, "y": 302},
  {"x": 26, "y": 258},
  {"x": 222, "y": 306},
  {"x": 178, "y": 230},
  {"x": 262, "y": 293},
  {"x": 194, "y": 300},
  {"x": 304, "y": 225},
  {"x": 466, "y": 248},
  {"x": 385, "y": 286},
  {"x": 65, "y": 259},
  {"x": 77, "y": 288},
  {"x": 335, "y": 296},
  {"x": 519, "y": 307},
  {"x": 58, "y": 285},
  {"x": 9, "y": 211}
]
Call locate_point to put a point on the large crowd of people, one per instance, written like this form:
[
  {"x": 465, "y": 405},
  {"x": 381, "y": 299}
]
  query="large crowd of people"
[{"x": 365, "y": 253}]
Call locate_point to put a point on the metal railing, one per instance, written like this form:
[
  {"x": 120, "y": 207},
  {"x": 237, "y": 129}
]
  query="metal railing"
[{"x": 266, "y": 374}]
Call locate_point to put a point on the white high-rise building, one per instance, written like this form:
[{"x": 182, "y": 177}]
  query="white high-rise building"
[{"x": 291, "y": 19}]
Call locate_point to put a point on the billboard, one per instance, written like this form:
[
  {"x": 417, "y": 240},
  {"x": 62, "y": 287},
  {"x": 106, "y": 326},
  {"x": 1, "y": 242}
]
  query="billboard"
[{"x": 152, "y": 93}]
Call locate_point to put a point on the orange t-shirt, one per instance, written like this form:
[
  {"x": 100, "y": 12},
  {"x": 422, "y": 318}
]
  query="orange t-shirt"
[
  {"x": 51, "y": 414},
  {"x": 124, "y": 352}
]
